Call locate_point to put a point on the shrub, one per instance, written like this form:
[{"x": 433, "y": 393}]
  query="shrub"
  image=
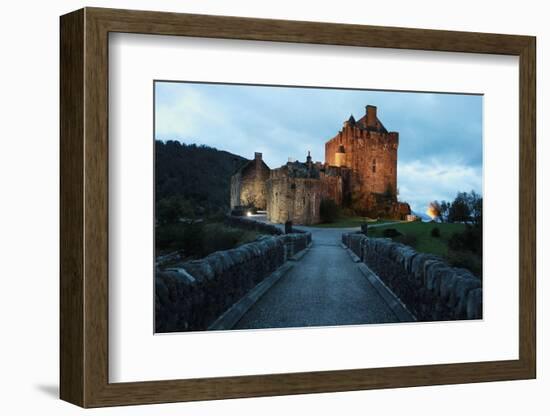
[
  {"x": 407, "y": 239},
  {"x": 328, "y": 211},
  {"x": 391, "y": 233},
  {"x": 435, "y": 232},
  {"x": 180, "y": 236},
  {"x": 171, "y": 210},
  {"x": 193, "y": 243},
  {"x": 198, "y": 239},
  {"x": 470, "y": 239},
  {"x": 466, "y": 260},
  {"x": 238, "y": 211},
  {"x": 219, "y": 240},
  {"x": 217, "y": 237}
]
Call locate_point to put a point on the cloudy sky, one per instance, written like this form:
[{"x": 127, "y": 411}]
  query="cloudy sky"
[{"x": 440, "y": 135}]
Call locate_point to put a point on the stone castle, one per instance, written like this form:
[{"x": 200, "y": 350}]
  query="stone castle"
[{"x": 359, "y": 173}]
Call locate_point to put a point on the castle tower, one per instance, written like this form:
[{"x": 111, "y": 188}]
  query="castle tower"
[{"x": 366, "y": 148}]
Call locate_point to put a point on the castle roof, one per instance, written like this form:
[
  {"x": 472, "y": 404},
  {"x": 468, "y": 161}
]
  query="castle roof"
[
  {"x": 249, "y": 164},
  {"x": 362, "y": 124},
  {"x": 299, "y": 169}
]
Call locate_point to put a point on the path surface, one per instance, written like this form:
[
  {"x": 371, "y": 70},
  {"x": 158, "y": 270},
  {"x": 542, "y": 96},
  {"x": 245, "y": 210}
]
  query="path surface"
[{"x": 325, "y": 287}]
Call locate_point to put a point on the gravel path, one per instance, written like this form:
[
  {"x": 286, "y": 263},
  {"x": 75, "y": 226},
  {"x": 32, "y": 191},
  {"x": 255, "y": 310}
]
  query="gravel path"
[{"x": 325, "y": 287}]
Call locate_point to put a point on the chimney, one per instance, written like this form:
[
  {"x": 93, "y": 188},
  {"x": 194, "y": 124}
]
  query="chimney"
[
  {"x": 257, "y": 160},
  {"x": 371, "y": 116}
]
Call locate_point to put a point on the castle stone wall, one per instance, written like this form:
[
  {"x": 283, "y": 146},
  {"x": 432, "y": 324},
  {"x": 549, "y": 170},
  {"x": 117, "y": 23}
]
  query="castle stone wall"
[
  {"x": 372, "y": 154},
  {"x": 297, "y": 199}
]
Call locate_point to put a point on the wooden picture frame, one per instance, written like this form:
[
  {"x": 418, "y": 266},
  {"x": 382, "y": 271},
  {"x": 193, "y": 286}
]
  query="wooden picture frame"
[{"x": 84, "y": 207}]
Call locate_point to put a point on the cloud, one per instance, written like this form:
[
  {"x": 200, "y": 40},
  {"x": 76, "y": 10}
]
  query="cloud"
[
  {"x": 440, "y": 135},
  {"x": 423, "y": 181}
]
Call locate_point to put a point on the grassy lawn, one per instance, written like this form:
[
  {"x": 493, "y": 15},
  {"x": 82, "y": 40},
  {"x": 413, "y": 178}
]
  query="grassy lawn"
[
  {"x": 349, "y": 222},
  {"x": 418, "y": 235}
]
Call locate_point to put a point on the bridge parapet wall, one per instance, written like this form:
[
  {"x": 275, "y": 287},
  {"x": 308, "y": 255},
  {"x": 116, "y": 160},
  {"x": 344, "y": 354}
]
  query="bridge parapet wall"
[
  {"x": 430, "y": 288},
  {"x": 192, "y": 296}
]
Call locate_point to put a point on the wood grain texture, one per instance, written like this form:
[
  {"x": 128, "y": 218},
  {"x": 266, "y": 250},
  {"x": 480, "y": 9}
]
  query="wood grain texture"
[
  {"x": 84, "y": 207},
  {"x": 96, "y": 218},
  {"x": 71, "y": 203},
  {"x": 527, "y": 208},
  {"x": 227, "y": 27}
]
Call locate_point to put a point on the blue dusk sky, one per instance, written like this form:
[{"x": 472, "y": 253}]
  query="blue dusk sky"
[{"x": 440, "y": 135}]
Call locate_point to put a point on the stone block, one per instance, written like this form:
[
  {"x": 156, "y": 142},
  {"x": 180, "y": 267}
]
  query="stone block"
[
  {"x": 460, "y": 292},
  {"x": 417, "y": 265},
  {"x": 432, "y": 270}
]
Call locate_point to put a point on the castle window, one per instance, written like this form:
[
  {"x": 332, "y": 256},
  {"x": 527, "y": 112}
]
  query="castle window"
[{"x": 373, "y": 165}]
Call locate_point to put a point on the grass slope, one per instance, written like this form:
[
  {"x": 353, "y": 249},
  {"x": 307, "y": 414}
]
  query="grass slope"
[{"x": 425, "y": 243}]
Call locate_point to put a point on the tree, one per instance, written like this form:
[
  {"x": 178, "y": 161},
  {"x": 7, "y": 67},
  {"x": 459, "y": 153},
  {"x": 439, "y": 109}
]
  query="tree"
[
  {"x": 195, "y": 173},
  {"x": 170, "y": 210},
  {"x": 444, "y": 207},
  {"x": 460, "y": 211},
  {"x": 476, "y": 207}
]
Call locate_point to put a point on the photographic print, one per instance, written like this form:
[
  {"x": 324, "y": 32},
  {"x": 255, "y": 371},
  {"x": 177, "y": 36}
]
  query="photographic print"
[{"x": 291, "y": 207}]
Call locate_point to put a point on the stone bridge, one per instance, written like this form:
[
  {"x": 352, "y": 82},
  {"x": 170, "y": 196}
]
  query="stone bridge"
[{"x": 315, "y": 277}]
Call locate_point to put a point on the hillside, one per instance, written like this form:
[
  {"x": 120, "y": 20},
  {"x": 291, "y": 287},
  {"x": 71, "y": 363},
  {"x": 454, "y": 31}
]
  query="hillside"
[{"x": 198, "y": 174}]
